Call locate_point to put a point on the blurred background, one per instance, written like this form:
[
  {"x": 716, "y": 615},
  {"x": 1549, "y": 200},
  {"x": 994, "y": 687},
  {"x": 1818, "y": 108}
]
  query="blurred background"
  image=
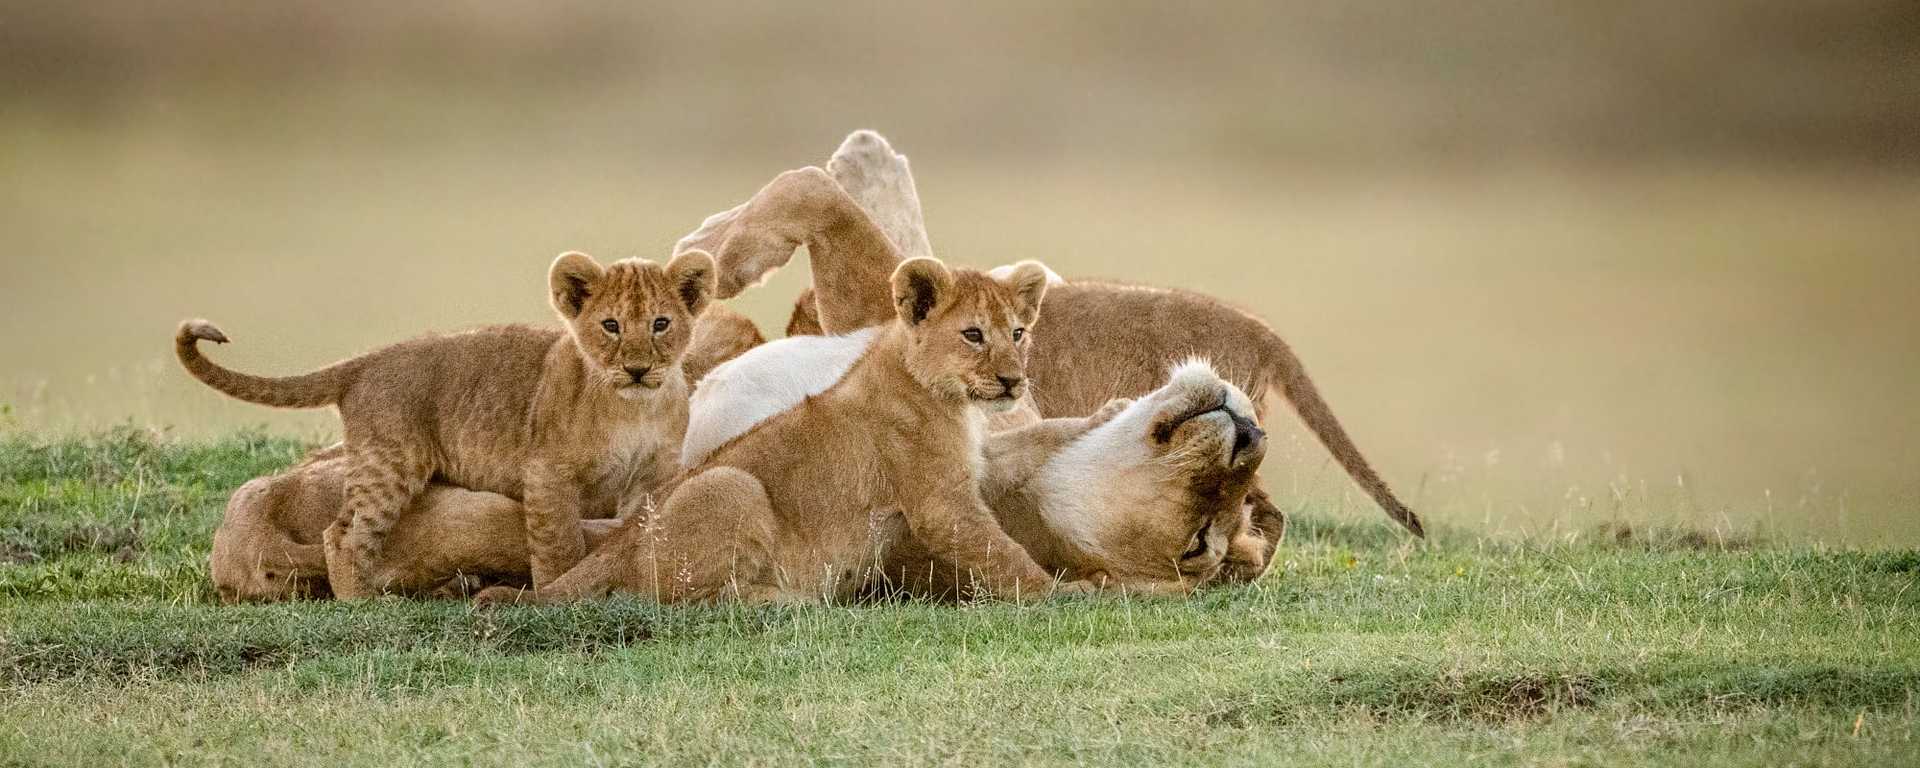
[{"x": 1556, "y": 264}]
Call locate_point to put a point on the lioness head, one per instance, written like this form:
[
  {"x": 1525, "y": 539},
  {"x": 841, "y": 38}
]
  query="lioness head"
[
  {"x": 256, "y": 557},
  {"x": 968, "y": 330},
  {"x": 631, "y": 320},
  {"x": 1186, "y": 453}
]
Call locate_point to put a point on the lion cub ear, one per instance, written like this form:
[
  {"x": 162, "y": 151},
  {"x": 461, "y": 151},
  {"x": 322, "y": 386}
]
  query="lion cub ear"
[
  {"x": 572, "y": 280},
  {"x": 1028, "y": 279},
  {"x": 919, "y": 286},
  {"x": 693, "y": 279}
]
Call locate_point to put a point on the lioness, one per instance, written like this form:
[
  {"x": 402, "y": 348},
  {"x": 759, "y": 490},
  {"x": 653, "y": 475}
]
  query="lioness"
[
  {"x": 1144, "y": 494},
  {"x": 452, "y": 540},
  {"x": 806, "y": 505},
  {"x": 566, "y": 420},
  {"x": 1079, "y": 364},
  {"x": 1060, "y": 489}
]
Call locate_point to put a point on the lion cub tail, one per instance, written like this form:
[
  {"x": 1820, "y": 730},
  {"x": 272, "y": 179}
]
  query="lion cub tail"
[
  {"x": 311, "y": 390},
  {"x": 1299, "y": 391}
]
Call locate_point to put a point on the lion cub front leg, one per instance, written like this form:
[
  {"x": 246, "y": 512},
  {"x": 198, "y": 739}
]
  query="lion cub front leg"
[
  {"x": 712, "y": 540},
  {"x": 555, "y": 542},
  {"x": 955, "y": 524}
]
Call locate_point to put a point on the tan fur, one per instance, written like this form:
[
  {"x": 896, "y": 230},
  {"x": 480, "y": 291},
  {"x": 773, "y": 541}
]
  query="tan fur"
[
  {"x": 566, "y": 421},
  {"x": 720, "y": 334},
  {"x": 806, "y": 505},
  {"x": 448, "y": 544},
  {"x": 1153, "y": 548},
  {"x": 453, "y": 540},
  {"x": 1080, "y": 363}
]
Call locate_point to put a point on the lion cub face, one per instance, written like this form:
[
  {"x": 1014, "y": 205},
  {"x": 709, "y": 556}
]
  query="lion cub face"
[
  {"x": 1187, "y": 452},
  {"x": 631, "y": 320},
  {"x": 968, "y": 330}
]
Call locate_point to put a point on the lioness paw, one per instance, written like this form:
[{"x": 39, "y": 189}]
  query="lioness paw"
[
  {"x": 500, "y": 595},
  {"x": 1106, "y": 413}
]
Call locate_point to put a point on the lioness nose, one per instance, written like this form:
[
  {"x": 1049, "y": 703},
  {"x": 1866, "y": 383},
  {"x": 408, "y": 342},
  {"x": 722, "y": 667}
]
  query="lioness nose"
[
  {"x": 1245, "y": 433},
  {"x": 638, "y": 373},
  {"x": 1009, "y": 382}
]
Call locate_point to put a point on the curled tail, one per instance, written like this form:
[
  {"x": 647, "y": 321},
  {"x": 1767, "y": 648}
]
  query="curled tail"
[
  {"x": 310, "y": 390},
  {"x": 1305, "y": 399}
]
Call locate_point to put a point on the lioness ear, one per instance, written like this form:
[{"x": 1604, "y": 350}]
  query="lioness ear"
[
  {"x": 692, "y": 276},
  {"x": 920, "y": 285},
  {"x": 1028, "y": 279},
  {"x": 572, "y": 279}
]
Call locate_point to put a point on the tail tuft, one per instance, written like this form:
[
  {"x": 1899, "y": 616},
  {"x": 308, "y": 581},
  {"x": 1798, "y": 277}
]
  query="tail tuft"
[
  {"x": 1298, "y": 390},
  {"x": 200, "y": 329},
  {"x": 311, "y": 390}
]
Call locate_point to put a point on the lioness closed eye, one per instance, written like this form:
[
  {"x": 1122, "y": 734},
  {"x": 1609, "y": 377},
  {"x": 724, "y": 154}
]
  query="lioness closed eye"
[{"x": 564, "y": 420}]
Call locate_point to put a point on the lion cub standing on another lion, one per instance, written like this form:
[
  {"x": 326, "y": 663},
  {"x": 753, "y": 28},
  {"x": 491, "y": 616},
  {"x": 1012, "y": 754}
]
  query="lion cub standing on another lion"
[
  {"x": 806, "y": 504},
  {"x": 564, "y": 421}
]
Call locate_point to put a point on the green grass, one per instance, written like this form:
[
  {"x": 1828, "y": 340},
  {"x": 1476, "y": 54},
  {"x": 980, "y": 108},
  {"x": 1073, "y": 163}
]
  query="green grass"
[{"x": 1360, "y": 649}]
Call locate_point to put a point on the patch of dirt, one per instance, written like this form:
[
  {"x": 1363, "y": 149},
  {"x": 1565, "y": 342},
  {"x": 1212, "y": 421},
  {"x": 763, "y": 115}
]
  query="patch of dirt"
[
  {"x": 121, "y": 541},
  {"x": 1498, "y": 698},
  {"x": 1448, "y": 698},
  {"x": 1674, "y": 538},
  {"x": 14, "y": 554}
]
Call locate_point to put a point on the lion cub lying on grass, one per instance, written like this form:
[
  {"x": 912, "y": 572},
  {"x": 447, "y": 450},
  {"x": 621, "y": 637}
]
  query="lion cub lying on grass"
[
  {"x": 565, "y": 420},
  {"x": 806, "y": 504}
]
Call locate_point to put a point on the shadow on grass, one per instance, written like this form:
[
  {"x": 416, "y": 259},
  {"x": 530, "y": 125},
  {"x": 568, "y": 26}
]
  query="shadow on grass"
[{"x": 149, "y": 642}]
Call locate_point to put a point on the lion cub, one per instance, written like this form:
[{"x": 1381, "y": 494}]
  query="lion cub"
[
  {"x": 806, "y": 504},
  {"x": 565, "y": 421}
]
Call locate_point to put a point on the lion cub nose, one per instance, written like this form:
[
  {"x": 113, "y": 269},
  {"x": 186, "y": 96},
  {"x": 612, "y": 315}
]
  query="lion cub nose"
[
  {"x": 1008, "y": 383},
  {"x": 638, "y": 373}
]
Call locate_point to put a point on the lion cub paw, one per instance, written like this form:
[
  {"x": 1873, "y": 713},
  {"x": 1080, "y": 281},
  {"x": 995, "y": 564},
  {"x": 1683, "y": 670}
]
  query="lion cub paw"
[
  {"x": 342, "y": 577},
  {"x": 1066, "y": 588}
]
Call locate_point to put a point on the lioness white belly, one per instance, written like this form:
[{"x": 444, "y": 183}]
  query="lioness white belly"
[{"x": 763, "y": 383}]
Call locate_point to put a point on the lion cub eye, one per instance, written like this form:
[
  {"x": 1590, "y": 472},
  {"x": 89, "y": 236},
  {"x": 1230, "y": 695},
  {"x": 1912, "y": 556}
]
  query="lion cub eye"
[
  {"x": 612, "y": 325},
  {"x": 1019, "y": 333},
  {"x": 660, "y": 324},
  {"x": 974, "y": 335}
]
